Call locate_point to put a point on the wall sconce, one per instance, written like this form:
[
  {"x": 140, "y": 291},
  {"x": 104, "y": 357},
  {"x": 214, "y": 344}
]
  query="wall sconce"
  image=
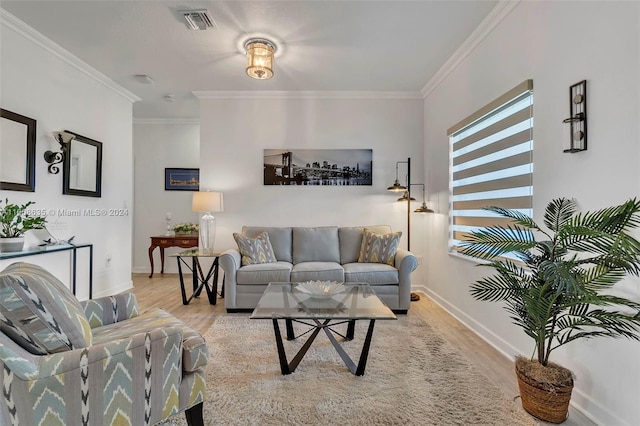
[
  {"x": 578, "y": 118},
  {"x": 53, "y": 158}
]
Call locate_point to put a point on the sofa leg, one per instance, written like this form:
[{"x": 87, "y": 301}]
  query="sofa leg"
[{"x": 194, "y": 415}]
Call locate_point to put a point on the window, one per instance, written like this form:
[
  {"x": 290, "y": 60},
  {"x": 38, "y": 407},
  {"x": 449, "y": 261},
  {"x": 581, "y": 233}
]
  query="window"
[{"x": 491, "y": 162}]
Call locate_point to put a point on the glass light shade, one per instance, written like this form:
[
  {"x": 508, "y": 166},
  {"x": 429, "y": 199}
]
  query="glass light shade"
[{"x": 260, "y": 58}]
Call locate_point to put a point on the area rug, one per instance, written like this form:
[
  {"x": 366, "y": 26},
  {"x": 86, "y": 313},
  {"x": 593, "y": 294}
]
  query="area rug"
[{"x": 413, "y": 377}]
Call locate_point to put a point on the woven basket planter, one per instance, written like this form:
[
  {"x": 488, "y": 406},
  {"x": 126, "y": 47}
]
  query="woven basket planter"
[{"x": 548, "y": 405}]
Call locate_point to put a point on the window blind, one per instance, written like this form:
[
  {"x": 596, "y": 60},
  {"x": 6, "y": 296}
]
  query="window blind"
[{"x": 491, "y": 162}]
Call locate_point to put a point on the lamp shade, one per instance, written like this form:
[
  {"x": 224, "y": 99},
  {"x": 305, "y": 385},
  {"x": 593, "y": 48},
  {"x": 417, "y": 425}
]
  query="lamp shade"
[
  {"x": 207, "y": 201},
  {"x": 396, "y": 187},
  {"x": 259, "y": 58}
]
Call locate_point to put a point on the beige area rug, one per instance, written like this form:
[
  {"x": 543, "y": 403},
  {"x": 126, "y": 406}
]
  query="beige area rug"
[{"x": 413, "y": 377}]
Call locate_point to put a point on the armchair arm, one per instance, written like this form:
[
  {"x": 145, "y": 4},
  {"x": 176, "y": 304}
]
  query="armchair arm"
[{"x": 110, "y": 309}]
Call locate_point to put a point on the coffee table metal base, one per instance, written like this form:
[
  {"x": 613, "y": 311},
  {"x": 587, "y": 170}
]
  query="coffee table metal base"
[{"x": 289, "y": 367}]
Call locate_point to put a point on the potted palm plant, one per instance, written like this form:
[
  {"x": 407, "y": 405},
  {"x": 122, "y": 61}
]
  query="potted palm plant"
[
  {"x": 557, "y": 287},
  {"x": 15, "y": 220}
]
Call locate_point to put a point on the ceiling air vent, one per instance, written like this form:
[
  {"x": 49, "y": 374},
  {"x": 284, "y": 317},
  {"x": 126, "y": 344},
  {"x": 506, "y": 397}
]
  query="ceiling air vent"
[{"x": 198, "y": 19}]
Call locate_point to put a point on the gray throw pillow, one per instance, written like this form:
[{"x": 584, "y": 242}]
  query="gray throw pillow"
[{"x": 255, "y": 250}]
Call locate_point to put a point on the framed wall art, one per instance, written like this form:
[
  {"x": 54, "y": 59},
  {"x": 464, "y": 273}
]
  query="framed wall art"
[
  {"x": 179, "y": 179},
  {"x": 318, "y": 167}
]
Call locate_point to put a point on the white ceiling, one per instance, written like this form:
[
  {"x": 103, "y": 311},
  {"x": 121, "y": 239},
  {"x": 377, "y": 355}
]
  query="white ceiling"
[{"x": 323, "y": 45}]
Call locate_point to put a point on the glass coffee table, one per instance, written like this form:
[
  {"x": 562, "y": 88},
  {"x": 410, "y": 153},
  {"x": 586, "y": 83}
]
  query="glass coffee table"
[{"x": 355, "y": 301}]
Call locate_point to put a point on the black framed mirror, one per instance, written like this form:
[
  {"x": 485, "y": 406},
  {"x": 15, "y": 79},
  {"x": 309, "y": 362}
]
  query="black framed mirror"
[
  {"x": 18, "y": 147},
  {"x": 82, "y": 167}
]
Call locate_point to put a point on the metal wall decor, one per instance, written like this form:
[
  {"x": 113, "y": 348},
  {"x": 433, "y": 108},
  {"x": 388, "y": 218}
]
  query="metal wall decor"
[{"x": 578, "y": 117}]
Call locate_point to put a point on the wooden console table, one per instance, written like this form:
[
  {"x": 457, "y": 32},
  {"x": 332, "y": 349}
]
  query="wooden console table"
[{"x": 164, "y": 241}]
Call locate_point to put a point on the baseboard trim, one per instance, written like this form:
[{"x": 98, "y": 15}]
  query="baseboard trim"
[{"x": 128, "y": 285}]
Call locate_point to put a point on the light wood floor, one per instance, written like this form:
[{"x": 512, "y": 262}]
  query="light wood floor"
[{"x": 163, "y": 291}]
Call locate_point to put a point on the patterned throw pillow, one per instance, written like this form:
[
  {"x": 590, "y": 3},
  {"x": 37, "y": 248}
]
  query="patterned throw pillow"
[
  {"x": 379, "y": 248},
  {"x": 39, "y": 313},
  {"x": 255, "y": 250}
]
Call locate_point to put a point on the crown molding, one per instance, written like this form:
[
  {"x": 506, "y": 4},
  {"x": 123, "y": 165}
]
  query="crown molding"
[
  {"x": 15, "y": 24},
  {"x": 497, "y": 14},
  {"x": 282, "y": 94},
  {"x": 166, "y": 121}
]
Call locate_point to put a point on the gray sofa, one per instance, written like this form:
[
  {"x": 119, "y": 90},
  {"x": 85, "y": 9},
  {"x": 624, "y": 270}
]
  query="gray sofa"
[{"x": 327, "y": 253}]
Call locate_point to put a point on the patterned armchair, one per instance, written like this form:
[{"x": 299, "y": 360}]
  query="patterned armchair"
[{"x": 100, "y": 362}]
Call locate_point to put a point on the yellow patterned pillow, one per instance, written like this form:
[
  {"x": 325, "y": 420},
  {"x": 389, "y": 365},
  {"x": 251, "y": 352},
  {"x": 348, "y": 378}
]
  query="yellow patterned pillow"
[
  {"x": 379, "y": 248},
  {"x": 255, "y": 250}
]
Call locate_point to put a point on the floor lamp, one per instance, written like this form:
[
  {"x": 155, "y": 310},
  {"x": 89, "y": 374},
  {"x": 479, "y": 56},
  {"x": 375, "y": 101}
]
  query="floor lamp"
[
  {"x": 396, "y": 187},
  {"x": 207, "y": 202}
]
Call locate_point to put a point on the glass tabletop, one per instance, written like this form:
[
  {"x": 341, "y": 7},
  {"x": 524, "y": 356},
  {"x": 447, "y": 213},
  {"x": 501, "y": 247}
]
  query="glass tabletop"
[
  {"x": 353, "y": 301},
  {"x": 196, "y": 253}
]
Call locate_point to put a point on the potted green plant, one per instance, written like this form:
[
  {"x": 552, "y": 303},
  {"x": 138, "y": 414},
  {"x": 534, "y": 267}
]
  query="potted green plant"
[
  {"x": 558, "y": 288},
  {"x": 15, "y": 220}
]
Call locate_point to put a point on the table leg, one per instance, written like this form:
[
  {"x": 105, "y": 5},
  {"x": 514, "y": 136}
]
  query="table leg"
[
  {"x": 195, "y": 267},
  {"x": 162, "y": 259},
  {"x": 351, "y": 330},
  {"x": 365, "y": 350},
  {"x": 182, "y": 290},
  {"x": 151, "y": 248},
  {"x": 290, "y": 334}
]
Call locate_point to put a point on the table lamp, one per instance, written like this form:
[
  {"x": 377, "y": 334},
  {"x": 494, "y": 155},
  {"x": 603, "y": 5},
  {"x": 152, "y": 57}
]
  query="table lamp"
[{"x": 207, "y": 202}]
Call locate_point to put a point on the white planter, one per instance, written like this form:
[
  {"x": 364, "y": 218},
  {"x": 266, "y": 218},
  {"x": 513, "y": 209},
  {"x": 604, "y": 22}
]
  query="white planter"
[{"x": 11, "y": 244}]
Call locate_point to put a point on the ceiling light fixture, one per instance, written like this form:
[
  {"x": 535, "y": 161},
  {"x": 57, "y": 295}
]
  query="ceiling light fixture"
[{"x": 260, "y": 53}]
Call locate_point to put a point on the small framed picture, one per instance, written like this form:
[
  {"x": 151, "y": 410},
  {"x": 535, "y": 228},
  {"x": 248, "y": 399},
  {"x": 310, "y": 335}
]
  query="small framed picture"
[{"x": 179, "y": 179}]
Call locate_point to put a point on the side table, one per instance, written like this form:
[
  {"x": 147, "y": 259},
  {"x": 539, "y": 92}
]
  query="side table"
[
  {"x": 200, "y": 280},
  {"x": 164, "y": 241}
]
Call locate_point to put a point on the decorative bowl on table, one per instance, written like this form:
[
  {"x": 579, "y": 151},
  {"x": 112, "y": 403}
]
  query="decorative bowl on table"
[{"x": 320, "y": 289}]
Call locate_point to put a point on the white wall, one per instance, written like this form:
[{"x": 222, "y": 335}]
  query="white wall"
[
  {"x": 159, "y": 144},
  {"x": 557, "y": 44},
  {"x": 38, "y": 81},
  {"x": 234, "y": 133}
]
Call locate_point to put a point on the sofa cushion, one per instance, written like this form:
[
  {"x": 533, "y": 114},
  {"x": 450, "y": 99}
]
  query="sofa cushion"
[
  {"x": 39, "y": 313},
  {"x": 319, "y": 244},
  {"x": 317, "y": 271},
  {"x": 372, "y": 273},
  {"x": 351, "y": 241},
  {"x": 255, "y": 250},
  {"x": 379, "y": 248},
  {"x": 280, "y": 239},
  {"x": 264, "y": 273},
  {"x": 194, "y": 348}
]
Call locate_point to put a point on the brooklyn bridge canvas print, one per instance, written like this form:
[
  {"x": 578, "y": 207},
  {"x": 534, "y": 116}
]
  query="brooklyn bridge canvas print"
[{"x": 321, "y": 167}]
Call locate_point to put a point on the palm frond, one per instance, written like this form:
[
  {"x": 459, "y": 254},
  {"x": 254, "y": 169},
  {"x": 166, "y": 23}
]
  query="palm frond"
[
  {"x": 516, "y": 216},
  {"x": 492, "y": 241},
  {"x": 559, "y": 212},
  {"x": 506, "y": 284}
]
